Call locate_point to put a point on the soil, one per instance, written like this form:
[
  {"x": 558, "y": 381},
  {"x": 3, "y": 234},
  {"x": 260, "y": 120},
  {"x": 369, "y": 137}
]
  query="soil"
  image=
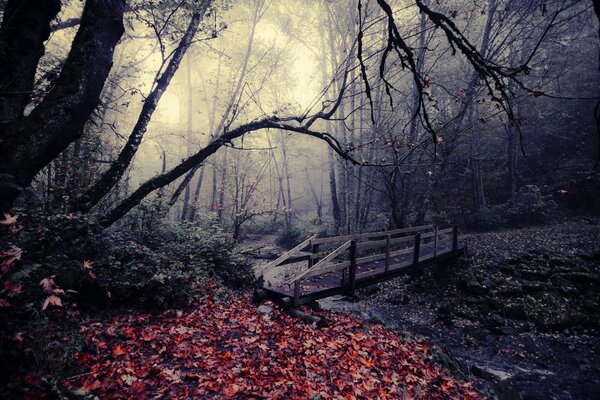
[{"x": 519, "y": 311}]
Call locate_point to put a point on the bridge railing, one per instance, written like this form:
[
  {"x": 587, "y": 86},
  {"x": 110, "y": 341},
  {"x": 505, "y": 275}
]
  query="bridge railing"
[
  {"x": 287, "y": 257},
  {"x": 423, "y": 238}
]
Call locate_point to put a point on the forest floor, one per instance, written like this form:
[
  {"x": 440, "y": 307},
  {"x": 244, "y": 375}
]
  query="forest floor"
[
  {"x": 224, "y": 346},
  {"x": 520, "y": 310}
]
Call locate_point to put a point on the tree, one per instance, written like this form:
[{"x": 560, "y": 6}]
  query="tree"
[{"x": 30, "y": 142}]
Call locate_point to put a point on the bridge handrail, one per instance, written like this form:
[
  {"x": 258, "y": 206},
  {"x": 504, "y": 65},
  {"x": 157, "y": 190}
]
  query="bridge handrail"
[
  {"x": 259, "y": 271},
  {"x": 369, "y": 235},
  {"x": 322, "y": 262}
]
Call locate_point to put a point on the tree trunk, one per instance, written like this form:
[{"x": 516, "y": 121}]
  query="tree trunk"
[
  {"x": 190, "y": 127},
  {"x": 25, "y": 28},
  {"x": 59, "y": 119}
]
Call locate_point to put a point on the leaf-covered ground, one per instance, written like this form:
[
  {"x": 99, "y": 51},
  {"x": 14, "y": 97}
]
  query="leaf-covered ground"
[
  {"x": 520, "y": 309},
  {"x": 224, "y": 348}
]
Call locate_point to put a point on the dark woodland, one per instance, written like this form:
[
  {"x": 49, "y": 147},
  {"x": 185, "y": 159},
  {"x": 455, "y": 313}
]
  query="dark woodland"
[{"x": 312, "y": 199}]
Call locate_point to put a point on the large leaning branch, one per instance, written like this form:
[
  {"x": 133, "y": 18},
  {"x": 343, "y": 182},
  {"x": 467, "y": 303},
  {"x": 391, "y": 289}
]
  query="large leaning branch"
[{"x": 166, "y": 178}]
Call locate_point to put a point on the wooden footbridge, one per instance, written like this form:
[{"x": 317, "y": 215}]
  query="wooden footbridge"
[{"x": 322, "y": 267}]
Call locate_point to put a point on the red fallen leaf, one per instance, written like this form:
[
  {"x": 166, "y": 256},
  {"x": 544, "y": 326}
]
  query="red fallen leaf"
[
  {"x": 8, "y": 219},
  {"x": 171, "y": 375},
  {"x": 4, "y": 303},
  {"x": 87, "y": 264},
  {"x": 83, "y": 358},
  {"x": 231, "y": 390},
  {"x": 446, "y": 385},
  {"x": 211, "y": 385},
  {"x": 58, "y": 291},
  {"x": 53, "y": 301},
  {"x": 48, "y": 284},
  {"x": 15, "y": 288},
  {"x": 426, "y": 82},
  {"x": 129, "y": 332},
  {"x": 128, "y": 379},
  {"x": 90, "y": 385},
  {"x": 118, "y": 351}
]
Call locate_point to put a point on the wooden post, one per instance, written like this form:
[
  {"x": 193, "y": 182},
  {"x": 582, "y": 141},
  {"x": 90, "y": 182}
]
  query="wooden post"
[
  {"x": 352, "y": 271},
  {"x": 417, "y": 249},
  {"x": 315, "y": 250},
  {"x": 435, "y": 242},
  {"x": 387, "y": 252},
  {"x": 455, "y": 239},
  {"x": 296, "y": 293}
]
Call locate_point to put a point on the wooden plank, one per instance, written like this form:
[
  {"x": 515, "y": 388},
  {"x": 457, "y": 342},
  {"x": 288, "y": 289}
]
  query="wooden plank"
[
  {"x": 401, "y": 252},
  {"x": 284, "y": 256},
  {"x": 402, "y": 265},
  {"x": 368, "y": 235},
  {"x": 324, "y": 261},
  {"x": 445, "y": 231},
  {"x": 371, "y": 245},
  {"x": 380, "y": 243},
  {"x": 327, "y": 269},
  {"x": 374, "y": 257}
]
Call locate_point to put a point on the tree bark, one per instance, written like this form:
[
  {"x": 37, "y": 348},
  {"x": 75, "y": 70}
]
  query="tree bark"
[
  {"x": 25, "y": 28},
  {"x": 34, "y": 141}
]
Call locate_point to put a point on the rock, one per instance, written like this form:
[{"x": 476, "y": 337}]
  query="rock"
[
  {"x": 488, "y": 283},
  {"x": 371, "y": 290},
  {"x": 579, "y": 277},
  {"x": 555, "y": 261},
  {"x": 265, "y": 310},
  {"x": 505, "y": 330},
  {"x": 558, "y": 280},
  {"x": 491, "y": 373},
  {"x": 568, "y": 290},
  {"x": 473, "y": 287},
  {"x": 542, "y": 373},
  {"x": 590, "y": 305},
  {"x": 496, "y": 320},
  {"x": 530, "y": 286},
  {"x": 539, "y": 273},
  {"x": 510, "y": 289},
  {"x": 515, "y": 311}
]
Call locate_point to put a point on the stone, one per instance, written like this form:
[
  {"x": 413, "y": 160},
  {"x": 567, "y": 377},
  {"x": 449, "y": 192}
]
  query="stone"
[
  {"x": 506, "y": 330},
  {"x": 530, "y": 286},
  {"x": 491, "y": 373},
  {"x": 511, "y": 289},
  {"x": 474, "y": 287},
  {"x": 497, "y": 320},
  {"x": 265, "y": 310},
  {"x": 590, "y": 305}
]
